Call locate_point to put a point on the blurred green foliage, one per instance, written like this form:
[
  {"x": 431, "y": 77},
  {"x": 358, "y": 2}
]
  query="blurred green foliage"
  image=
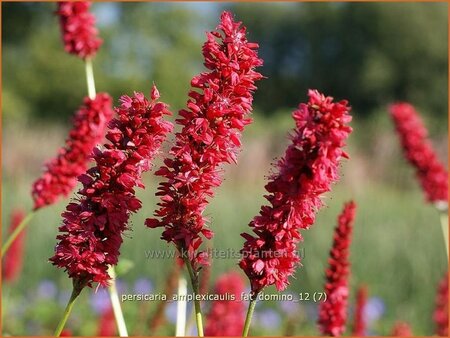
[{"x": 368, "y": 53}]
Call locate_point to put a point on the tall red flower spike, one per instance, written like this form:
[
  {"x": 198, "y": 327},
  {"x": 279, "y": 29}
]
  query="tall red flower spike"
[
  {"x": 401, "y": 329},
  {"x": 60, "y": 174},
  {"x": 210, "y": 137},
  {"x": 91, "y": 233},
  {"x": 333, "y": 312},
  {"x": 80, "y": 36},
  {"x": 440, "y": 315},
  {"x": 226, "y": 317},
  {"x": 359, "y": 325},
  {"x": 13, "y": 261},
  {"x": 419, "y": 152},
  {"x": 107, "y": 326},
  {"x": 309, "y": 167}
]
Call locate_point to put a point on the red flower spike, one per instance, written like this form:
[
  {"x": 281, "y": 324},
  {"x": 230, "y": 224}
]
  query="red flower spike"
[
  {"x": 359, "y": 326},
  {"x": 107, "y": 326},
  {"x": 333, "y": 312},
  {"x": 80, "y": 36},
  {"x": 91, "y": 233},
  {"x": 13, "y": 261},
  {"x": 401, "y": 329},
  {"x": 440, "y": 315},
  {"x": 307, "y": 170},
  {"x": 211, "y": 129},
  {"x": 60, "y": 175},
  {"x": 226, "y": 317},
  {"x": 419, "y": 152}
]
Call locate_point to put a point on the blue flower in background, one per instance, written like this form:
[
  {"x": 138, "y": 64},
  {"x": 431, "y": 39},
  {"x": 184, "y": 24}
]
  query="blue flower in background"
[
  {"x": 171, "y": 312},
  {"x": 46, "y": 289},
  {"x": 268, "y": 319},
  {"x": 64, "y": 297},
  {"x": 374, "y": 309},
  {"x": 290, "y": 308},
  {"x": 143, "y": 285},
  {"x": 99, "y": 301}
]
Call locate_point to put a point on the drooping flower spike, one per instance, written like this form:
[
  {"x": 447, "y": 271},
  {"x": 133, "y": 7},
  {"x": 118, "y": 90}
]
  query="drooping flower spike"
[
  {"x": 440, "y": 315},
  {"x": 359, "y": 321},
  {"x": 226, "y": 317},
  {"x": 333, "y": 312},
  {"x": 93, "y": 224},
  {"x": 13, "y": 261},
  {"x": 307, "y": 170},
  {"x": 60, "y": 175},
  {"x": 79, "y": 34},
  {"x": 216, "y": 115},
  {"x": 419, "y": 152}
]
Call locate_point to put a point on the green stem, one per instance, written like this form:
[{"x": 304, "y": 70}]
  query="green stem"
[
  {"x": 75, "y": 293},
  {"x": 248, "y": 318},
  {"x": 90, "y": 78},
  {"x": 16, "y": 232},
  {"x": 195, "y": 286},
  {"x": 114, "y": 296},
  {"x": 444, "y": 224}
]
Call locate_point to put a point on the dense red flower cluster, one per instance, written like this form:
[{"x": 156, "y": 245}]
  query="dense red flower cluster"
[
  {"x": 440, "y": 315},
  {"x": 12, "y": 263},
  {"x": 60, "y": 175},
  {"x": 333, "y": 312},
  {"x": 80, "y": 36},
  {"x": 210, "y": 137},
  {"x": 401, "y": 329},
  {"x": 419, "y": 152},
  {"x": 226, "y": 317},
  {"x": 309, "y": 167},
  {"x": 359, "y": 325},
  {"x": 91, "y": 234}
]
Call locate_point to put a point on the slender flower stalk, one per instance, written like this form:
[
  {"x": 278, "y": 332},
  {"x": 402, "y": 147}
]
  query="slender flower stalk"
[
  {"x": 13, "y": 262},
  {"x": 180, "y": 329},
  {"x": 79, "y": 34},
  {"x": 91, "y": 233},
  {"x": 359, "y": 325},
  {"x": 333, "y": 312},
  {"x": 216, "y": 114},
  {"x": 401, "y": 329},
  {"x": 77, "y": 288},
  {"x": 440, "y": 315},
  {"x": 115, "y": 302},
  {"x": 307, "y": 170},
  {"x": 226, "y": 317}
]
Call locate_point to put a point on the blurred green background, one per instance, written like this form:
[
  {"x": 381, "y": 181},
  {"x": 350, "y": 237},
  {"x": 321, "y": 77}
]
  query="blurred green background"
[{"x": 369, "y": 53}]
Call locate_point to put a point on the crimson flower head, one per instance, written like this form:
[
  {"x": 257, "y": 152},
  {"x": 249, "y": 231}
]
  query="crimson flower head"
[
  {"x": 91, "y": 233},
  {"x": 216, "y": 115},
  {"x": 401, "y": 329},
  {"x": 440, "y": 315},
  {"x": 419, "y": 152},
  {"x": 359, "y": 326},
  {"x": 307, "y": 170},
  {"x": 13, "y": 261},
  {"x": 80, "y": 36},
  {"x": 333, "y": 312},
  {"x": 60, "y": 175},
  {"x": 226, "y": 317}
]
